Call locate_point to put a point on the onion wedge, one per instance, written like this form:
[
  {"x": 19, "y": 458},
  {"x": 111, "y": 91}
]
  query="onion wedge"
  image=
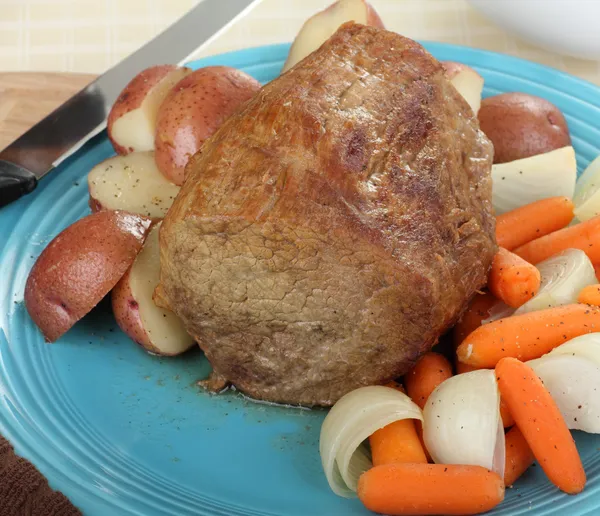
[
  {"x": 584, "y": 346},
  {"x": 463, "y": 424},
  {"x": 349, "y": 423},
  {"x": 499, "y": 310},
  {"x": 563, "y": 276},
  {"x": 526, "y": 180},
  {"x": 574, "y": 383},
  {"x": 587, "y": 192}
]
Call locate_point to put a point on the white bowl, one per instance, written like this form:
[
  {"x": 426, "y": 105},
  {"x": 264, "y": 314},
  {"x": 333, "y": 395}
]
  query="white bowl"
[{"x": 564, "y": 26}]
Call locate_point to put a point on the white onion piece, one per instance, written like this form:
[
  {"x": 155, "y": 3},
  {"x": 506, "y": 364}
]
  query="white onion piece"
[
  {"x": 349, "y": 423},
  {"x": 499, "y": 310},
  {"x": 574, "y": 384},
  {"x": 562, "y": 278},
  {"x": 584, "y": 346},
  {"x": 462, "y": 422},
  {"x": 587, "y": 192},
  {"x": 526, "y": 180}
]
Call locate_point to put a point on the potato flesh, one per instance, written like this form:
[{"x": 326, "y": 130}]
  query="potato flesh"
[
  {"x": 470, "y": 85},
  {"x": 135, "y": 130},
  {"x": 132, "y": 183},
  {"x": 323, "y": 25},
  {"x": 164, "y": 329}
]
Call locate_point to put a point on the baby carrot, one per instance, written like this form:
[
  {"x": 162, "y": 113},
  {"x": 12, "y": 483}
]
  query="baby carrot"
[
  {"x": 512, "y": 279},
  {"x": 589, "y": 295},
  {"x": 398, "y": 489},
  {"x": 507, "y": 419},
  {"x": 518, "y": 456},
  {"x": 541, "y": 423},
  {"x": 461, "y": 367},
  {"x": 397, "y": 442},
  {"x": 431, "y": 370},
  {"x": 477, "y": 311},
  {"x": 517, "y": 227},
  {"x": 584, "y": 236},
  {"x": 527, "y": 336},
  {"x": 400, "y": 430}
]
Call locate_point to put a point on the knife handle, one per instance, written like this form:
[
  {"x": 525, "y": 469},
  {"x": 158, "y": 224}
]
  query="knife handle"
[{"x": 15, "y": 181}]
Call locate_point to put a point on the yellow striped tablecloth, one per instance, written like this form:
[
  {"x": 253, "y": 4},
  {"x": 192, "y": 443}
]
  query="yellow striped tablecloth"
[{"x": 92, "y": 35}]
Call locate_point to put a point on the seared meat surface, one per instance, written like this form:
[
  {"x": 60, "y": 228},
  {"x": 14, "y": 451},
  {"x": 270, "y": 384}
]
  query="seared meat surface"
[{"x": 335, "y": 226}]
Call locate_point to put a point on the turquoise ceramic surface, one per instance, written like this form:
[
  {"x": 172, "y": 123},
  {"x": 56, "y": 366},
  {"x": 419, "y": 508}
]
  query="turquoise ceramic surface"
[{"x": 121, "y": 432}]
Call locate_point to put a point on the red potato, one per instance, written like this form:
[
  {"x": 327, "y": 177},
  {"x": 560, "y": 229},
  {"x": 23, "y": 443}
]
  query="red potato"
[
  {"x": 131, "y": 123},
  {"x": 521, "y": 125},
  {"x": 80, "y": 266},
  {"x": 193, "y": 111},
  {"x": 132, "y": 183},
  {"x": 466, "y": 81},
  {"x": 158, "y": 330},
  {"x": 321, "y": 26}
]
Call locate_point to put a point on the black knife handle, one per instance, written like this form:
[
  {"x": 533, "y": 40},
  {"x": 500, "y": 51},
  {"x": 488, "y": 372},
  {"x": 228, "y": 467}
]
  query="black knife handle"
[{"x": 15, "y": 181}]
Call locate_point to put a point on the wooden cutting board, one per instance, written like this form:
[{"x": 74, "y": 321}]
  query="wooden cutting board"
[{"x": 26, "y": 98}]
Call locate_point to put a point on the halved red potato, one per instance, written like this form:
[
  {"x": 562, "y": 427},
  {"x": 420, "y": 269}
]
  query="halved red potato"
[
  {"x": 466, "y": 81},
  {"x": 321, "y": 26},
  {"x": 193, "y": 111},
  {"x": 131, "y": 123},
  {"x": 132, "y": 183},
  {"x": 158, "y": 330},
  {"x": 522, "y": 125},
  {"x": 80, "y": 266}
]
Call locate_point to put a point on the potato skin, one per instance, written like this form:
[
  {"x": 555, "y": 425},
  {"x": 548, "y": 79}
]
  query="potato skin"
[
  {"x": 132, "y": 97},
  {"x": 80, "y": 266},
  {"x": 451, "y": 68},
  {"x": 193, "y": 111},
  {"x": 95, "y": 205},
  {"x": 522, "y": 125},
  {"x": 373, "y": 18}
]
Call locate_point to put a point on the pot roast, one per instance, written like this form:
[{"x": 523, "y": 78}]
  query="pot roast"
[{"x": 335, "y": 226}]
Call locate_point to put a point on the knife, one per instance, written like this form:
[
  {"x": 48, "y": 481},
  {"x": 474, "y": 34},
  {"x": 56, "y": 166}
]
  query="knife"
[{"x": 68, "y": 127}]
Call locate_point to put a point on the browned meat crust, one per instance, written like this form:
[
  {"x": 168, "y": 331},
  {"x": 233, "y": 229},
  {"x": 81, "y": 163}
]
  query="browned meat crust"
[{"x": 335, "y": 226}]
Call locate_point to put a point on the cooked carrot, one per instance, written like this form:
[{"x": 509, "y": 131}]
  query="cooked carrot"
[
  {"x": 589, "y": 295},
  {"x": 461, "y": 367},
  {"x": 541, "y": 423},
  {"x": 431, "y": 370},
  {"x": 584, "y": 236},
  {"x": 507, "y": 419},
  {"x": 517, "y": 227},
  {"x": 478, "y": 310},
  {"x": 419, "y": 429},
  {"x": 397, "y": 442},
  {"x": 527, "y": 336},
  {"x": 395, "y": 385},
  {"x": 512, "y": 279},
  {"x": 398, "y": 489},
  {"x": 518, "y": 456},
  {"x": 597, "y": 271}
]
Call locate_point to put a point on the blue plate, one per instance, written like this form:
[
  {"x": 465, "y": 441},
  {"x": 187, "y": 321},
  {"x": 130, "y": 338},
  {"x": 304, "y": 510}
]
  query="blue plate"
[{"x": 122, "y": 432}]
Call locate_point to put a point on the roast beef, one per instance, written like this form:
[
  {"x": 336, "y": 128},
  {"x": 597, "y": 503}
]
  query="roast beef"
[{"x": 335, "y": 226}]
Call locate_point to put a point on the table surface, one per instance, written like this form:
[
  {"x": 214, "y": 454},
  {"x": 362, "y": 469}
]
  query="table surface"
[{"x": 91, "y": 35}]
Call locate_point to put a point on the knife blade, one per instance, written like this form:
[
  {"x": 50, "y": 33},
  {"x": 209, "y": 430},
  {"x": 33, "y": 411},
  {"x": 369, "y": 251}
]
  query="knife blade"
[{"x": 67, "y": 128}]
